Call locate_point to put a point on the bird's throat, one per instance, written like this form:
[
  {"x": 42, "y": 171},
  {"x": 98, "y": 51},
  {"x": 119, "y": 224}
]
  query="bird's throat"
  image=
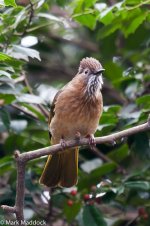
[{"x": 94, "y": 85}]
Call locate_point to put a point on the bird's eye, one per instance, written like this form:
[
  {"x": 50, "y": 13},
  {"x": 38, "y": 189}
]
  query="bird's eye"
[{"x": 86, "y": 72}]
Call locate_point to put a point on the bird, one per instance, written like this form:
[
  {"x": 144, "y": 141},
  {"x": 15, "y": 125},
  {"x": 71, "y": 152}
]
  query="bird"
[{"x": 76, "y": 108}]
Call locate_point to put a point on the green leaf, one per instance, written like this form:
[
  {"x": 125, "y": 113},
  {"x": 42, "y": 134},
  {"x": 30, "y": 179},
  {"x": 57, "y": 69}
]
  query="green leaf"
[
  {"x": 14, "y": 142},
  {"x": 4, "y": 57},
  {"x": 117, "y": 71},
  {"x": 5, "y": 118},
  {"x": 104, "y": 169},
  {"x": 35, "y": 111},
  {"x": 141, "y": 144},
  {"x": 142, "y": 185},
  {"x": 59, "y": 199},
  {"x": 5, "y": 73},
  {"x": 119, "y": 154},
  {"x": 86, "y": 19},
  {"x": 134, "y": 24},
  {"x": 62, "y": 2},
  {"x": 110, "y": 28},
  {"x": 109, "y": 196},
  {"x": 12, "y": 61},
  {"x": 81, "y": 5},
  {"x": 107, "y": 16},
  {"x": 144, "y": 101},
  {"x": 8, "y": 98},
  {"x": 92, "y": 216},
  {"x": 89, "y": 3},
  {"x": 7, "y": 68},
  {"x": 6, "y": 164},
  {"x": 20, "y": 52},
  {"x": 71, "y": 212},
  {"x": 104, "y": 129},
  {"x": 114, "y": 109},
  {"x": 19, "y": 17},
  {"x": 109, "y": 118},
  {"x": 95, "y": 175},
  {"x": 29, "y": 98},
  {"x": 133, "y": 2},
  {"x": 10, "y": 3}
]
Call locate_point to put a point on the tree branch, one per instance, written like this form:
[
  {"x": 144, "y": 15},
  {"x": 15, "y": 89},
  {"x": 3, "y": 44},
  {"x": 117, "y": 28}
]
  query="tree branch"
[
  {"x": 23, "y": 158},
  {"x": 20, "y": 187}
]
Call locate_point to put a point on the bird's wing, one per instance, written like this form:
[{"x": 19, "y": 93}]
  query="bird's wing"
[{"x": 52, "y": 109}]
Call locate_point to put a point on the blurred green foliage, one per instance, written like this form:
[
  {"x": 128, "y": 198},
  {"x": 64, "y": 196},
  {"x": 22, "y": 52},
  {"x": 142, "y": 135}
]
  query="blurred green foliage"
[{"x": 43, "y": 42}]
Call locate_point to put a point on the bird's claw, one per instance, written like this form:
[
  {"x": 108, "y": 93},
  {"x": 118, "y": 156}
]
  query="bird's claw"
[
  {"x": 113, "y": 142},
  {"x": 63, "y": 143},
  {"x": 92, "y": 142},
  {"x": 78, "y": 136}
]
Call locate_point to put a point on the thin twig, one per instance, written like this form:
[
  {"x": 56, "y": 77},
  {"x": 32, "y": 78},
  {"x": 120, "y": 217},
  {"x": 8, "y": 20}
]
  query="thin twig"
[
  {"x": 19, "y": 79},
  {"x": 43, "y": 110},
  {"x": 31, "y": 14},
  {"x": 105, "y": 158},
  {"x": 100, "y": 154},
  {"x": 137, "y": 6},
  {"x": 23, "y": 158},
  {"x": 22, "y": 109}
]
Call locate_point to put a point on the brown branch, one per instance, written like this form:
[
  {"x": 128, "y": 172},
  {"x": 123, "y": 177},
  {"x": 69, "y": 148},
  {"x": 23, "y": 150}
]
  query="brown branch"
[
  {"x": 23, "y": 158},
  {"x": 20, "y": 187},
  {"x": 84, "y": 141},
  {"x": 9, "y": 209}
]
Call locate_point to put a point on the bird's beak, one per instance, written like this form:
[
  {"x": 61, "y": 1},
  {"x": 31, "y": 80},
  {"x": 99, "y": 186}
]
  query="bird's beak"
[{"x": 99, "y": 72}]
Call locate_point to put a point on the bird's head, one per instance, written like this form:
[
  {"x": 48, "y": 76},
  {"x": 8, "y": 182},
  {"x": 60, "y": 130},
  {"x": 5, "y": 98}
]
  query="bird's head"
[{"x": 92, "y": 70}]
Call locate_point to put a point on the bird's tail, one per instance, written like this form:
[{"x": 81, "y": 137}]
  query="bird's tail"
[{"x": 61, "y": 169}]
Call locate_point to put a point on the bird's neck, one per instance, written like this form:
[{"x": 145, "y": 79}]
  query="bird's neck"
[
  {"x": 94, "y": 85},
  {"x": 89, "y": 88}
]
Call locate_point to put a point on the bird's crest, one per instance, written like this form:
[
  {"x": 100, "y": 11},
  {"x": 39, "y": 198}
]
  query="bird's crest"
[{"x": 91, "y": 63}]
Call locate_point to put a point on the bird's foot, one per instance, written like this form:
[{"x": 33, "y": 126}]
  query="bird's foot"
[
  {"x": 92, "y": 142},
  {"x": 113, "y": 142},
  {"x": 63, "y": 143},
  {"x": 78, "y": 136}
]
